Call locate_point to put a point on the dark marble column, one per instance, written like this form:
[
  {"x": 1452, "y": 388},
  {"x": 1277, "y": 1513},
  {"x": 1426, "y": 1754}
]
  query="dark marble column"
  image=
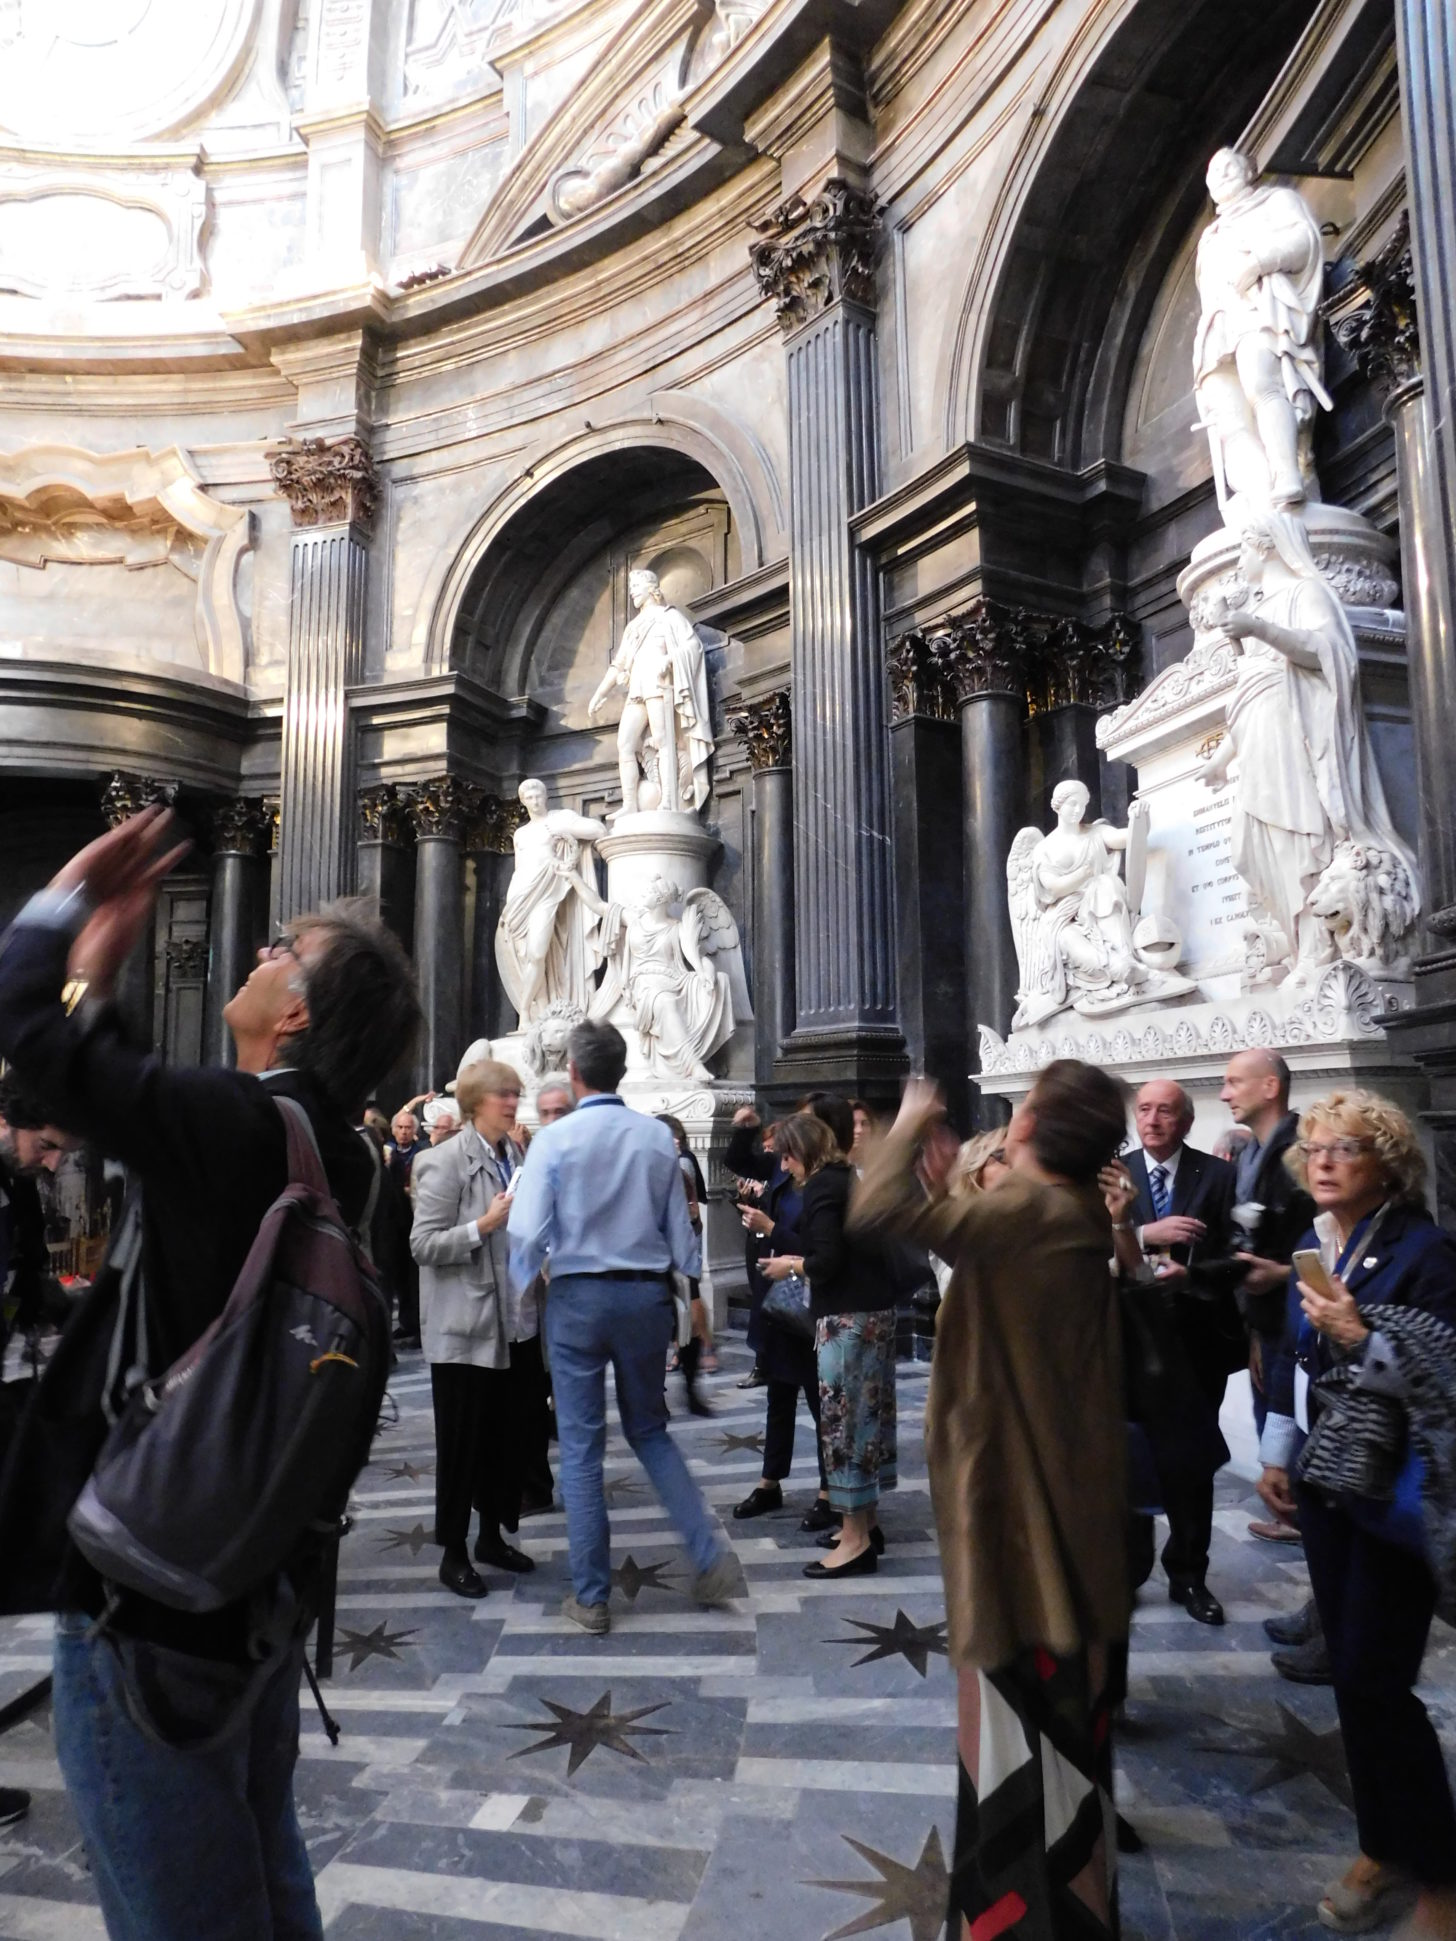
[
  {"x": 438, "y": 810},
  {"x": 238, "y": 921},
  {"x": 987, "y": 650},
  {"x": 136, "y": 988},
  {"x": 490, "y": 843},
  {"x": 1376, "y": 318},
  {"x": 331, "y": 489},
  {"x": 385, "y": 864},
  {"x": 925, "y": 767},
  {"x": 816, "y": 263},
  {"x": 765, "y": 725}
]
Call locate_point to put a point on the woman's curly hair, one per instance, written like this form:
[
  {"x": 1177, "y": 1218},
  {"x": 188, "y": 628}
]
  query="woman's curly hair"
[{"x": 1359, "y": 1114}]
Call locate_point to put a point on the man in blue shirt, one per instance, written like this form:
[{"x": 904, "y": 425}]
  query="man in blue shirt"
[{"x": 601, "y": 1196}]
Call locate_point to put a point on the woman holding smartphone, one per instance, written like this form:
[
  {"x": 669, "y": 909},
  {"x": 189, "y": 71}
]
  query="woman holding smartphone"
[{"x": 1372, "y": 1307}]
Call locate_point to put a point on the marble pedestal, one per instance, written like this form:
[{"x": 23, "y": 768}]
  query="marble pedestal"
[{"x": 655, "y": 842}]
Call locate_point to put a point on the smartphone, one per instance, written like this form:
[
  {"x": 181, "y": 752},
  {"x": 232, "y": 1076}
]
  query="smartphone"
[{"x": 1313, "y": 1272}]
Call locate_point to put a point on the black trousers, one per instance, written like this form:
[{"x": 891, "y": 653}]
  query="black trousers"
[
  {"x": 778, "y": 1437},
  {"x": 1189, "y": 1504},
  {"x": 477, "y": 1450},
  {"x": 530, "y": 1395},
  {"x": 1376, "y": 1603}
]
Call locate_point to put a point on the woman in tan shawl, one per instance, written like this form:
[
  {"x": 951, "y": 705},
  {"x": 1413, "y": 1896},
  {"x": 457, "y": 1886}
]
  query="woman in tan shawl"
[{"x": 1025, "y": 1446}]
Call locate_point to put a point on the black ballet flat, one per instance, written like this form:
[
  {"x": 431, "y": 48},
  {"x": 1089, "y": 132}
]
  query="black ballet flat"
[
  {"x": 820, "y": 1516},
  {"x": 864, "y": 1565},
  {"x": 877, "y": 1541}
]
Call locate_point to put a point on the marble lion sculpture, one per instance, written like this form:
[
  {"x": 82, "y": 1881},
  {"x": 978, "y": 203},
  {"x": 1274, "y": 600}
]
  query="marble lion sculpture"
[{"x": 1366, "y": 898}]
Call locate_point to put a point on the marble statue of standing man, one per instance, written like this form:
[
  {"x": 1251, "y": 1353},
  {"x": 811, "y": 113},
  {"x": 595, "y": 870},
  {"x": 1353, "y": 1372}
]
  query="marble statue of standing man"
[
  {"x": 1256, "y": 357},
  {"x": 545, "y": 942},
  {"x": 660, "y": 663}
]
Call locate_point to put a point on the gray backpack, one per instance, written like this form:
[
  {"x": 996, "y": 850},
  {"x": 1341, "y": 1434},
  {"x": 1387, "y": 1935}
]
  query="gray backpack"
[{"x": 239, "y": 1458}]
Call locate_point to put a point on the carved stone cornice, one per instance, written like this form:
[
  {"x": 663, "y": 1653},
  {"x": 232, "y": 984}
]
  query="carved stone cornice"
[
  {"x": 765, "y": 727},
  {"x": 384, "y": 815},
  {"x": 491, "y": 824},
  {"x": 438, "y": 808},
  {"x": 241, "y": 827},
  {"x": 1044, "y": 660},
  {"x": 1374, "y": 316},
  {"x": 326, "y": 481},
  {"x": 813, "y": 254},
  {"x": 127, "y": 795}
]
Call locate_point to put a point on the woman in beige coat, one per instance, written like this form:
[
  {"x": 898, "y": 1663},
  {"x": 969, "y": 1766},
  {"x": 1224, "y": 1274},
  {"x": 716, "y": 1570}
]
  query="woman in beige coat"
[{"x": 1025, "y": 1446}]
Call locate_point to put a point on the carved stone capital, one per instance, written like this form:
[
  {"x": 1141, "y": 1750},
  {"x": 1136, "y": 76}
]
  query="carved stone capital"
[
  {"x": 384, "y": 815},
  {"x": 438, "y": 807},
  {"x": 241, "y": 827},
  {"x": 127, "y": 795},
  {"x": 988, "y": 650},
  {"x": 326, "y": 481},
  {"x": 813, "y": 254},
  {"x": 1081, "y": 666},
  {"x": 922, "y": 676},
  {"x": 492, "y": 823},
  {"x": 765, "y": 726},
  {"x": 273, "y": 812},
  {"x": 1374, "y": 316}
]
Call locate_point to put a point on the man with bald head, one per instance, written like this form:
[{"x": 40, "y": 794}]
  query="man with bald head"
[{"x": 1183, "y": 1216}]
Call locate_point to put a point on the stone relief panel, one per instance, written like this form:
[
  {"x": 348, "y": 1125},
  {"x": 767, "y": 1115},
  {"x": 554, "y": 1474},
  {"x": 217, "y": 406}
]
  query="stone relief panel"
[
  {"x": 98, "y": 71},
  {"x": 82, "y": 233}
]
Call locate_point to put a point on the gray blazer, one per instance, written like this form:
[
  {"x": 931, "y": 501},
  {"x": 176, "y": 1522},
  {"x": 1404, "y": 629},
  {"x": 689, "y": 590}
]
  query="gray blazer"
[{"x": 464, "y": 1283}]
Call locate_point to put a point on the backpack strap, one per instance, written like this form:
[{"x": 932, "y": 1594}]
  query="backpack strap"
[{"x": 305, "y": 1162}]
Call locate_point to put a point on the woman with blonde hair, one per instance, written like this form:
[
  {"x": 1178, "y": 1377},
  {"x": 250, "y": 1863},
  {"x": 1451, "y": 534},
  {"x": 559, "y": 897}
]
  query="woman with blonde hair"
[{"x": 1362, "y": 1411}]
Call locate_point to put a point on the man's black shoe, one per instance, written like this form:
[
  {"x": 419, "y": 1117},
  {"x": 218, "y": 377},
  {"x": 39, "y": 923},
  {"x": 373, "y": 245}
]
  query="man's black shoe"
[
  {"x": 820, "y": 1516},
  {"x": 758, "y": 1502},
  {"x": 877, "y": 1540},
  {"x": 403, "y": 1340},
  {"x": 14, "y": 1805},
  {"x": 535, "y": 1504},
  {"x": 755, "y": 1378},
  {"x": 1198, "y": 1601},
  {"x": 697, "y": 1406},
  {"x": 1295, "y": 1627},
  {"x": 1305, "y": 1664},
  {"x": 502, "y": 1555},
  {"x": 458, "y": 1574}
]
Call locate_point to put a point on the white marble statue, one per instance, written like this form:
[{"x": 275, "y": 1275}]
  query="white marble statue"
[
  {"x": 1305, "y": 783},
  {"x": 546, "y": 946},
  {"x": 1074, "y": 918},
  {"x": 665, "y": 739},
  {"x": 1256, "y": 356},
  {"x": 679, "y": 980}
]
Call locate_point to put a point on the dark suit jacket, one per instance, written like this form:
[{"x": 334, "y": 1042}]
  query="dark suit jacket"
[
  {"x": 1287, "y": 1216},
  {"x": 1208, "y": 1319}
]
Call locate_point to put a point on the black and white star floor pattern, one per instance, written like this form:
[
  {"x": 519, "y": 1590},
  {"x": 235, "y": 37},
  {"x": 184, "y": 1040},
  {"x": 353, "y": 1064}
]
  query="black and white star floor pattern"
[{"x": 781, "y": 1768}]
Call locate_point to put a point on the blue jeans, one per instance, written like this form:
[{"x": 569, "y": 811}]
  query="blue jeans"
[
  {"x": 183, "y": 1842},
  {"x": 591, "y": 1321}
]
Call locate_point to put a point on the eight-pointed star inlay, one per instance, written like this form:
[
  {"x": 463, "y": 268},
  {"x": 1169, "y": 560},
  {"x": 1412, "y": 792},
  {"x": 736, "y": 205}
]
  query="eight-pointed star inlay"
[
  {"x": 910, "y": 1641},
  {"x": 412, "y": 1540},
  {"x": 378, "y": 1643},
  {"x": 408, "y": 1472},
  {"x": 630, "y": 1577},
  {"x": 1292, "y": 1749},
  {"x": 585, "y": 1731},
  {"x": 728, "y": 1442},
  {"x": 918, "y": 1895},
  {"x": 619, "y": 1488}
]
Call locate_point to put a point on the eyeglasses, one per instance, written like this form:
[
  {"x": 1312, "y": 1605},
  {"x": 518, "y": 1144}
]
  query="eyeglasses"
[
  {"x": 1335, "y": 1148},
  {"x": 283, "y": 946}
]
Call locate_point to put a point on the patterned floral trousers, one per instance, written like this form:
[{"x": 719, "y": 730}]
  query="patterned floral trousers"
[
  {"x": 1036, "y": 1839},
  {"x": 856, "y": 1355}
]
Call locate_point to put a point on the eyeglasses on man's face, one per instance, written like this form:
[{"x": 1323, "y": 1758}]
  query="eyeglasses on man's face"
[
  {"x": 282, "y": 946},
  {"x": 1349, "y": 1149}
]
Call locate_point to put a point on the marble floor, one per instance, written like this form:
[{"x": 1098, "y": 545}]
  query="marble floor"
[{"x": 785, "y": 1768}]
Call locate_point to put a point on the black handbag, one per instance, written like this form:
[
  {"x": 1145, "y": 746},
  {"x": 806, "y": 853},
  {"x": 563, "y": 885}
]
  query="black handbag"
[{"x": 786, "y": 1304}]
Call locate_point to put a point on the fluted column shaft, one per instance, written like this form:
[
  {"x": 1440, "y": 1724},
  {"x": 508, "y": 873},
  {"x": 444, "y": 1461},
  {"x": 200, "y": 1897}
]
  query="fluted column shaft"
[
  {"x": 438, "y": 811},
  {"x": 325, "y": 659}
]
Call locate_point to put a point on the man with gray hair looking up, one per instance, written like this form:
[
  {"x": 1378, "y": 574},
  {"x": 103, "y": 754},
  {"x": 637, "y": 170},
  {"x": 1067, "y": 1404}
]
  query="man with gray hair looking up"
[{"x": 600, "y": 1195}]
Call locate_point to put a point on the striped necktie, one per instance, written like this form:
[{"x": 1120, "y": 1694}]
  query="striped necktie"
[{"x": 1158, "y": 1187}]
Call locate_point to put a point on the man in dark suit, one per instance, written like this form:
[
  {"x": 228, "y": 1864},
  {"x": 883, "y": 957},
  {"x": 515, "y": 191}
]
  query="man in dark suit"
[{"x": 1184, "y": 1214}]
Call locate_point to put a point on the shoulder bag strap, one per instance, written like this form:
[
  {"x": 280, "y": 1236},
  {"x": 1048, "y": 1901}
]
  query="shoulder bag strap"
[{"x": 305, "y": 1162}]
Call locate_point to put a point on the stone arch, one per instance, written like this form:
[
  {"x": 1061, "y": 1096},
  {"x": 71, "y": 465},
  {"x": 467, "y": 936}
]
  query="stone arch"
[
  {"x": 49, "y": 481},
  {"x": 1103, "y": 189},
  {"x": 684, "y": 427}
]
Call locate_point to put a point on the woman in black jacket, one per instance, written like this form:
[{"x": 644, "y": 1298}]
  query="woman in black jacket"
[{"x": 853, "y": 1305}]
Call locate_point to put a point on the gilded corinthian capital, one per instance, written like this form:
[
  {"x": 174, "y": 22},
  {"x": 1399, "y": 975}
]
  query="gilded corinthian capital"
[
  {"x": 326, "y": 481},
  {"x": 812, "y": 254}
]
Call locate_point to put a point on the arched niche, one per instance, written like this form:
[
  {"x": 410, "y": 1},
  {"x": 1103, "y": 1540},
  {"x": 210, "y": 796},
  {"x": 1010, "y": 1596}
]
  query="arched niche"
[{"x": 1107, "y": 186}]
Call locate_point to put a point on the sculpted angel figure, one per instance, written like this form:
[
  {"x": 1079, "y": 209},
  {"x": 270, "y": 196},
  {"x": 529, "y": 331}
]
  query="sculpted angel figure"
[
  {"x": 546, "y": 946},
  {"x": 660, "y": 663},
  {"x": 1306, "y": 780},
  {"x": 1256, "y": 356},
  {"x": 679, "y": 980},
  {"x": 1072, "y": 914}
]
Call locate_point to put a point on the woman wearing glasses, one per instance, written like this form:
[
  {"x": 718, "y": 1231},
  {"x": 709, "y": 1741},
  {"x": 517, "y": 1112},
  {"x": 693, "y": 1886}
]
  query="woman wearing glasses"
[{"x": 1365, "y": 1379}]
